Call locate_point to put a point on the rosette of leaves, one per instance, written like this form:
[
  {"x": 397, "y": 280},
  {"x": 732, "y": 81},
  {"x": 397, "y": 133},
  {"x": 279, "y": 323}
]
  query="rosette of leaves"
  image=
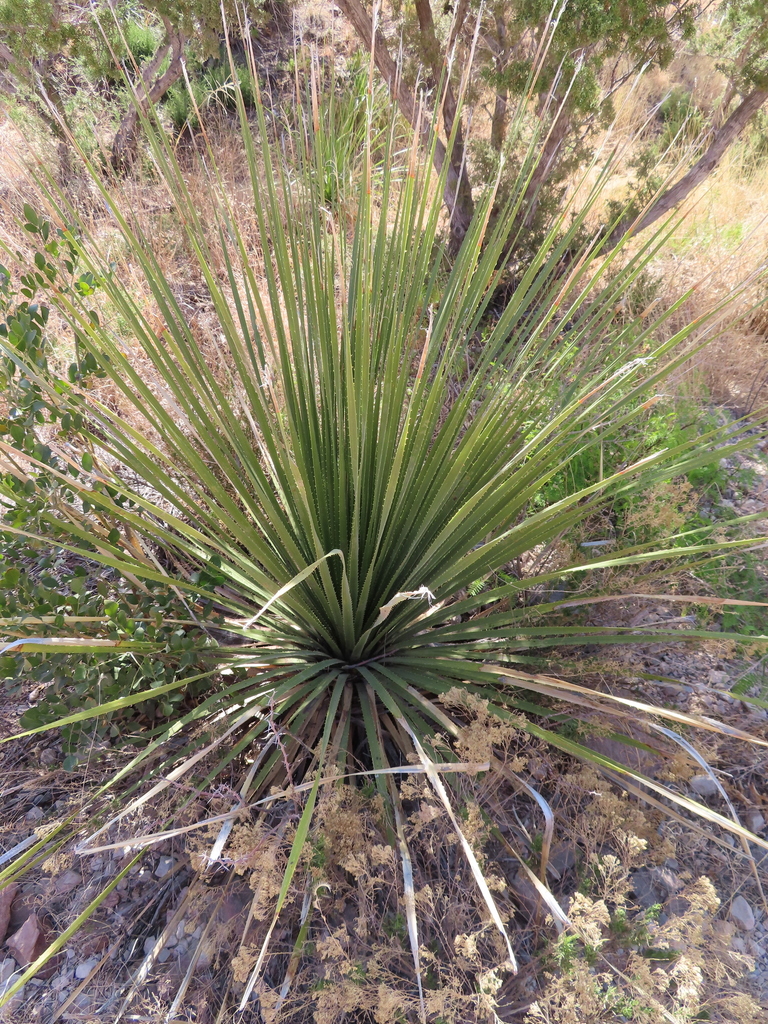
[{"x": 370, "y": 447}]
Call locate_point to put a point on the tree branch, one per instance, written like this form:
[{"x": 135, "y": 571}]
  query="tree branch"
[
  {"x": 361, "y": 22},
  {"x": 148, "y": 92},
  {"x": 703, "y": 167},
  {"x": 464, "y": 208}
]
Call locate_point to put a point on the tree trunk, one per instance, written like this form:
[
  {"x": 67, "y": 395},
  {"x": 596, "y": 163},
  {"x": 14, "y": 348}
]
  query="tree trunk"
[
  {"x": 363, "y": 26},
  {"x": 499, "y": 119},
  {"x": 149, "y": 90},
  {"x": 723, "y": 138},
  {"x": 545, "y": 161},
  {"x": 57, "y": 120},
  {"x": 6, "y": 57},
  {"x": 438, "y": 67},
  {"x": 49, "y": 105}
]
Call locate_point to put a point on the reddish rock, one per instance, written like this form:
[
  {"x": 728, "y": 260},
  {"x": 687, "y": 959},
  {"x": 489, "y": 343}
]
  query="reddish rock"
[
  {"x": 68, "y": 881},
  {"x": 26, "y": 903},
  {"x": 233, "y": 905},
  {"x": 94, "y": 944},
  {"x": 6, "y": 899},
  {"x": 28, "y": 942}
]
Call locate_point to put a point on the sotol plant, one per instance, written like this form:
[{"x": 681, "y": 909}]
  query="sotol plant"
[{"x": 338, "y": 483}]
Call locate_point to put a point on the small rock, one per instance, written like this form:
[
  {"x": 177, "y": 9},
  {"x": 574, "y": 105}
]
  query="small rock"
[
  {"x": 233, "y": 904},
  {"x": 755, "y": 822},
  {"x": 205, "y": 958},
  {"x": 149, "y": 944},
  {"x": 6, "y": 899},
  {"x": 643, "y": 885},
  {"x": 49, "y": 757},
  {"x": 203, "y": 954},
  {"x": 738, "y": 945},
  {"x": 68, "y": 881},
  {"x": 7, "y": 968},
  {"x": 93, "y": 944},
  {"x": 718, "y": 678},
  {"x": 82, "y": 1002},
  {"x": 14, "y": 1003},
  {"x": 83, "y": 970},
  {"x": 28, "y": 942},
  {"x": 724, "y": 929},
  {"x": 164, "y": 954},
  {"x": 164, "y": 865},
  {"x": 34, "y": 814},
  {"x": 525, "y": 893},
  {"x": 537, "y": 769},
  {"x": 676, "y": 906},
  {"x": 563, "y": 857},
  {"x": 742, "y": 914},
  {"x": 61, "y": 981},
  {"x": 704, "y": 785},
  {"x": 667, "y": 879}
]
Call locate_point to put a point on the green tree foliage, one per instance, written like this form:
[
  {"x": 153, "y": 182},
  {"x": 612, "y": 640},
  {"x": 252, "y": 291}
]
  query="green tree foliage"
[
  {"x": 594, "y": 49},
  {"x": 592, "y": 42},
  {"x": 739, "y": 39},
  {"x": 141, "y": 43},
  {"x": 43, "y": 587}
]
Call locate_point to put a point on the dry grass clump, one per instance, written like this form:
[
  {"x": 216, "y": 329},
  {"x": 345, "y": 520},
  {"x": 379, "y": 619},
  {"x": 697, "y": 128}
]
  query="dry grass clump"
[
  {"x": 625, "y": 963},
  {"x": 152, "y": 216},
  {"x": 617, "y": 962},
  {"x": 691, "y": 73},
  {"x": 355, "y": 962},
  {"x": 720, "y": 240}
]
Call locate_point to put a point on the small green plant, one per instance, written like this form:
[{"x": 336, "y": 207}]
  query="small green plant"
[
  {"x": 394, "y": 926},
  {"x": 684, "y": 123},
  {"x": 319, "y": 856},
  {"x": 565, "y": 951},
  {"x": 633, "y": 932},
  {"x": 353, "y": 122},
  {"x": 211, "y": 86}
]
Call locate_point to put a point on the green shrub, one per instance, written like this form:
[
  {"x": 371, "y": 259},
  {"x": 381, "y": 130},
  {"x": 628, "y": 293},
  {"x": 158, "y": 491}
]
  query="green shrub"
[
  {"x": 45, "y": 586},
  {"x": 50, "y": 591},
  {"x": 683, "y": 121},
  {"x": 212, "y": 86},
  {"x": 141, "y": 40}
]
